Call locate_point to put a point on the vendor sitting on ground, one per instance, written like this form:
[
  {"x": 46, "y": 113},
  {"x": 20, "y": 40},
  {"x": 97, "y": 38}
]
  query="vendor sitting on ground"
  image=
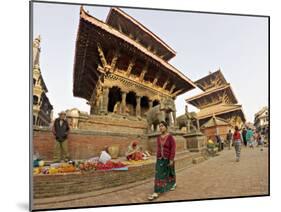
[
  {"x": 210, "y": 141},
  {"x": 134, "y": 152}
]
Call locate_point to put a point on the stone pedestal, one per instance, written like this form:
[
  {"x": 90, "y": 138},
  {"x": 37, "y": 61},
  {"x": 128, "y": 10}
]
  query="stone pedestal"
[
  {"x": 195, "y": 141},
  {"x": 178, "y": 136}
]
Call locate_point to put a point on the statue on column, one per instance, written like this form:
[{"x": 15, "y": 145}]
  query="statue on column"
[
  {"x": 36, "y": 51},
  {"x": 187, "y": 120},
  {"x": 117, "y": 108},
  {"x": 73, "y": 117}
]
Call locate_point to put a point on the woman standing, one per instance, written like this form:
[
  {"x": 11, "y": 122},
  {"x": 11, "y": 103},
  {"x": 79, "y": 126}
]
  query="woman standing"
[
  {"x": 237, "y": 139},
  {"x": 165, "y": 176}
]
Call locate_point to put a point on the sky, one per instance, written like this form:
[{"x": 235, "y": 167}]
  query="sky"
[{"x": 237, "y": 45}]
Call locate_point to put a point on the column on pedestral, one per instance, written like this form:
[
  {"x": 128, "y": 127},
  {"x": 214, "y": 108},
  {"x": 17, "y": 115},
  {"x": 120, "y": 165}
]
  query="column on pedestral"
[
  {"x": 123, "y": 103},
  {"x": 138, "y": 107}
]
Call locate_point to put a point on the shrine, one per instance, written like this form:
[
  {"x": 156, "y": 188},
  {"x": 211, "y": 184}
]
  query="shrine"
[
  {"x": 218, "y": 100},
  {"x": 42, "y": 109},
  {"x": 122, "y": 68}
]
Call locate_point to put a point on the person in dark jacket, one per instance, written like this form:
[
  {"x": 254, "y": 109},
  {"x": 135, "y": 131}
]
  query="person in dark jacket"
[
  {"x": 60, "y": 131},
  {"x": 229, "y": 139},
  {"x": 165, "y": 176},
  {"x": 219, "y": 142}
]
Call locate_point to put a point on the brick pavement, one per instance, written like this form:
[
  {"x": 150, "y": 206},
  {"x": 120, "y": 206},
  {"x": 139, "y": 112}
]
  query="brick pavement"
[{"x": 219, "y": 176}]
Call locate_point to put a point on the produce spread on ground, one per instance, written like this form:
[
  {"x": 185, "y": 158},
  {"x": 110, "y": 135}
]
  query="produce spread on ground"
[{"x": 77, "y": 166}]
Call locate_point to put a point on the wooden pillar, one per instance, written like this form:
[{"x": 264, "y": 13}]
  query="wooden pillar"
[
  {"x": 155, "y": 80},
  {"x": 143, "y": 72},
  {"x": 114, "y": 60},
  {"x": 172, "y": 88},
  {"x": 101, "y": 54},
  {"x": 105, "y": 98},
  {"x": 165, "y": 84},
  {"x": 138, "y": 107},
  {"x": 130, "y": 66}
]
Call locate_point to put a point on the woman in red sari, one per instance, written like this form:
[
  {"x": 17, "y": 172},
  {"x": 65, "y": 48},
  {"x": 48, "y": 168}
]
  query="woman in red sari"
[{"x": 165, "y": 176}]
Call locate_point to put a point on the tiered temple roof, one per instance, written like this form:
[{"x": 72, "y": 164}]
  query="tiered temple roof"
[
  {"x": 214, "y": 96},
  {"x": 114, "y": 47},
  {"x": 215, "y": 121},
  {"x": 126, "y": 24},
  {"x": 217, "y": 99}
]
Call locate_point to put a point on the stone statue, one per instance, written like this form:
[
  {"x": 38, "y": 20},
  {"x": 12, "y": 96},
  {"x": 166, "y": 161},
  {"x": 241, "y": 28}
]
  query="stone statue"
[
  {"x": 117, "y": 107},
  {"x": 73, "y": 117},
  {"x": 187, "y": 120},
  {"x": 36, "y": 51},
  {"x": 161, "y": 112}
]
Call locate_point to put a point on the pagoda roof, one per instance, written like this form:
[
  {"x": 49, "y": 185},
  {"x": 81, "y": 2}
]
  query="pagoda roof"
[
  {"x": 92, "y": 31},
  {"x": 120, "y": 20},
  {"x": 219, "y": 110},
  {"x": 215, "y": 121},
  {"x": 265, "y": 108},
  {"x": 211, "y": 80},
  {"x": 204, "y": 99}
]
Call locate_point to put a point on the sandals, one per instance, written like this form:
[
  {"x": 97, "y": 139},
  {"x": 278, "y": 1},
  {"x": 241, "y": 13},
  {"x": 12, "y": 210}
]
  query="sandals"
[
  {"x": 174, "y": 187},
  {"x": 153, "y": 196}
]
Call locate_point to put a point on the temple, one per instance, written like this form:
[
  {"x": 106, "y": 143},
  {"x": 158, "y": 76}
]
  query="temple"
[
  {"x": 217, "y": 99},
  {"x": 42, "y": 108},
  {"x": 122, "y": 68}
]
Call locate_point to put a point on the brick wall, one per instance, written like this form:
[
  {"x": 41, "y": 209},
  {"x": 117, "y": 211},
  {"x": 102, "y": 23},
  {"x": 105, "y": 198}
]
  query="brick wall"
[
  {"x": 223, "y": 130},
  {"x": 83, "y": 144},
  {"x": 65, "y": 184}
]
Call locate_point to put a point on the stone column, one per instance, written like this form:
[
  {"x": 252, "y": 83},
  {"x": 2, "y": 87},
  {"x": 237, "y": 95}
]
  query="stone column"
[
  {"x": 138, "y": 107},
  {"x": 123, "y": 103},
  {"x": 150, "y": 104},
  {"x": 174, "y": 118},
  {"x": 198, "y": 125}
]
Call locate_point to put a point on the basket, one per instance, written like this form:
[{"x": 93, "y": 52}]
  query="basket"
[{"x": 114, "y": 151}]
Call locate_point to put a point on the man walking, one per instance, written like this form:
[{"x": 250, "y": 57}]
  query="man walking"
[
  {"x": 60, "y": 131},
  {"x": 229, "y": 139}
]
